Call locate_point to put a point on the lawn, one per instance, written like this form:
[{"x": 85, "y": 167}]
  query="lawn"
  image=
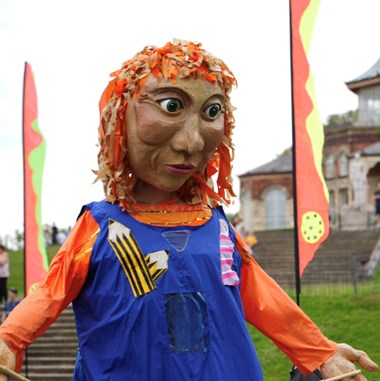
[
  {"x": 346, "y": 318},
  {"x": 16, "y": 269},
  {"x": 350, "y": 318}
]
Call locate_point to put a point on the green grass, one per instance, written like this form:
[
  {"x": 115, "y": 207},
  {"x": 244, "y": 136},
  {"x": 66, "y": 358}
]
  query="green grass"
[
  {"x": 350, "y": 318},
  {"x": 16, "y": 267}
]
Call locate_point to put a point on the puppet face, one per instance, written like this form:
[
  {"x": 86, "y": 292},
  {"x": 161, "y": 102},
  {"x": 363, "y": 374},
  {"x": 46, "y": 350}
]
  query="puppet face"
[{"x": 173, "y": 129}]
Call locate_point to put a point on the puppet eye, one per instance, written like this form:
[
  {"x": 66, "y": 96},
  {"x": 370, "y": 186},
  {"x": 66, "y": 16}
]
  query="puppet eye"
[
  {"x": 213, "y": 110},
  {"x": 170, "y": 104}
]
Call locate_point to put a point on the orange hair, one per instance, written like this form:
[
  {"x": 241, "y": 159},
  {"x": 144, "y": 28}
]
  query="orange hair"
[{"x": 180, "y": 59}]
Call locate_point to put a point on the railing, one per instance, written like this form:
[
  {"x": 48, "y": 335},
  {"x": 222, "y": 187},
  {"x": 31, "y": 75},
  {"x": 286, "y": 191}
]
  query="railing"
[{"x": 333, "y": 281}]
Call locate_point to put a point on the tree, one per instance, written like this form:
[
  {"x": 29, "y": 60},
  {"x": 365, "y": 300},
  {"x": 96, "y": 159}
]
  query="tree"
[{"x": 347, "y": 117}]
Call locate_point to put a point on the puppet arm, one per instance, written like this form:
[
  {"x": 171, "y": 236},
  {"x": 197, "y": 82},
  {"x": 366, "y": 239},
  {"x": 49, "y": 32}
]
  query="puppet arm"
[
  {"x": 274, "y": 313},
  {"x": 66, "y": 276},
  {"x": 277, "y": 316},
  {"x": 269, "y": 308}
]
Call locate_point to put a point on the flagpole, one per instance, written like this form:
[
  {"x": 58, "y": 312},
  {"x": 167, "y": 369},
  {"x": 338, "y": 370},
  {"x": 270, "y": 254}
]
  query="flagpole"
[
  {"x": 23, "y": 172},
  {"x": 295, "y": 210},
  {"x": 24, "y": 197}
]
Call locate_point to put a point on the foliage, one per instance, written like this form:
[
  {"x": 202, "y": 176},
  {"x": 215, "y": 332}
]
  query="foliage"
[
  {"x": 347, "y": 117},
  {"x": 286, "y": 152}
]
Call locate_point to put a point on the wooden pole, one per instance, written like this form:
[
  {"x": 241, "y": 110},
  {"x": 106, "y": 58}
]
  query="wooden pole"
[
  {"x": 342, "y": 376},
  {"x": 11, "y": 374}
]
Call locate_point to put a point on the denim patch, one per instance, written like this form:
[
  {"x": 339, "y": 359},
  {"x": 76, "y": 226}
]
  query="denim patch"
[{"x": 187, "y": 322}]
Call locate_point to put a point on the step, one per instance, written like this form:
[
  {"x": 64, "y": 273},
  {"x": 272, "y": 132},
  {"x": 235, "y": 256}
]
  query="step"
[{"x": 50, "y": 376}]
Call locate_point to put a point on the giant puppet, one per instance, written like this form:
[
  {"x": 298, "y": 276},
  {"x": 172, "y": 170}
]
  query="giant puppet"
[{"x": 161, "y": 284}]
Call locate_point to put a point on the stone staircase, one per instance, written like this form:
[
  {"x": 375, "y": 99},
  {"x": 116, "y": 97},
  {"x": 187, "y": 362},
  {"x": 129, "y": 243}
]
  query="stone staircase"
[
  {"x": 342, "y": 256},
  {"x": 52, "y": 356}
]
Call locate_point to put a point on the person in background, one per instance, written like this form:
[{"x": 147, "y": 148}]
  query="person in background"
[
  {"x": 47, "y": 235},
  {"x": 238, "y": 224},
  {"x": 11, "y": 303},
  {"x": 249, "y": 237},
  {"x": 61, "y": 236},
  {"x": 377, "y": 206},
  {"x": 161, "y": 283},
  {"x": 252, "y": 241},
  {"x": 54, "y": 234},
  {"x": 4, "y": 274}
]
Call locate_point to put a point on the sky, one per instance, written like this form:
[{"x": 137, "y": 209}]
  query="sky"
[{"x": 73, "y": 45}]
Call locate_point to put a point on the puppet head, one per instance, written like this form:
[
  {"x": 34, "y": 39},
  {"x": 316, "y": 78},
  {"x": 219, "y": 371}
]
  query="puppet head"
[{"x": 177, "y": 60}]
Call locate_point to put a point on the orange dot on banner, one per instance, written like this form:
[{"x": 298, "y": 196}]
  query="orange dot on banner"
[{"x": 312, "y": 227}]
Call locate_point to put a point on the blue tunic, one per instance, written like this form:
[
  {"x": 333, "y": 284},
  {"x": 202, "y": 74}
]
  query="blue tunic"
[{"x": 162, "y": 303}]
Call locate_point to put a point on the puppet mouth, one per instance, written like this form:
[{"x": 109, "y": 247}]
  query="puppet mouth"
[{"x": 181, "y": 169}]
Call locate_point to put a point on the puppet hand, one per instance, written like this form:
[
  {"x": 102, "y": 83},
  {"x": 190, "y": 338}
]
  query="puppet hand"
[
  {"x": 342, "y": 362},
  {"x": 7, "y": 359}
]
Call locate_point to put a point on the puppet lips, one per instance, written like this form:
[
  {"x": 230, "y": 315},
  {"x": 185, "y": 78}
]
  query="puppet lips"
[{"x": 181, "y": 169}]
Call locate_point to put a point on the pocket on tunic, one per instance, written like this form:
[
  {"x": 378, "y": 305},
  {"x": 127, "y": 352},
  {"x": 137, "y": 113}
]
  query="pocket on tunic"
[{"x": 187, "y": 322}]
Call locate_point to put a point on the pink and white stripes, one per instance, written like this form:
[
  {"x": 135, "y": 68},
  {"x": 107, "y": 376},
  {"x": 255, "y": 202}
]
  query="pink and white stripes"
[{"x": 226, "y": 247}]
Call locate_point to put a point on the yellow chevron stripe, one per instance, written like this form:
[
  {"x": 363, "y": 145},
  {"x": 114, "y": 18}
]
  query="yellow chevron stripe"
[
  {"x": 131, "y": 275},
  {"x": 132, "y": 260},
  {"x": 138, "y": 263}
]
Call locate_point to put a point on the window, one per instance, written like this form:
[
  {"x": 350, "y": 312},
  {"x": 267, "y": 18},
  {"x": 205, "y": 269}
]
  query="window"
[
  {"x": 369, "y": 106},
  {"x": 343, "y": 165},
  {"x": 329, "y": 167},
  {"x": 343, "y": 196},
  {"x": 275, "y": 206}
]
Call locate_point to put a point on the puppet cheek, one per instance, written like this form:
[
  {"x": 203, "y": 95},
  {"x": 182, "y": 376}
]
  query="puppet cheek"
[{"x": 150, "y": 125}]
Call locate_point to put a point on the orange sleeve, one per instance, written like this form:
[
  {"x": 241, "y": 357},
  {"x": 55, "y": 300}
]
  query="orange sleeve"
[
  {"x": 66, "y": 276},
  {"x": 269, "y": 308}
]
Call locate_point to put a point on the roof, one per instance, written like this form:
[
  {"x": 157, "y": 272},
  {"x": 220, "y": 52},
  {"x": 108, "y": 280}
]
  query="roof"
[
  {"x": 368, "y": 78},
  {"x": 283, "y": 164},
  {"x": 372, "y": 150}
]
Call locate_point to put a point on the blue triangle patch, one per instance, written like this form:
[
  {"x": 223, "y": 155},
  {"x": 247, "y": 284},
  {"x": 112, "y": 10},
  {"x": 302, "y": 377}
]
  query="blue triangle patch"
[{"x": 177, "y": 238}]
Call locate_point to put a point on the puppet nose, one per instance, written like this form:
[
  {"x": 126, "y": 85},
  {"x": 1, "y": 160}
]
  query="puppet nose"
[{"x": 189, "y": 138}]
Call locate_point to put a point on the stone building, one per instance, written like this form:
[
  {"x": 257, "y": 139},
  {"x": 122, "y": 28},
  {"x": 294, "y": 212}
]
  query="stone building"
[{"x": 351, "y": 166}]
